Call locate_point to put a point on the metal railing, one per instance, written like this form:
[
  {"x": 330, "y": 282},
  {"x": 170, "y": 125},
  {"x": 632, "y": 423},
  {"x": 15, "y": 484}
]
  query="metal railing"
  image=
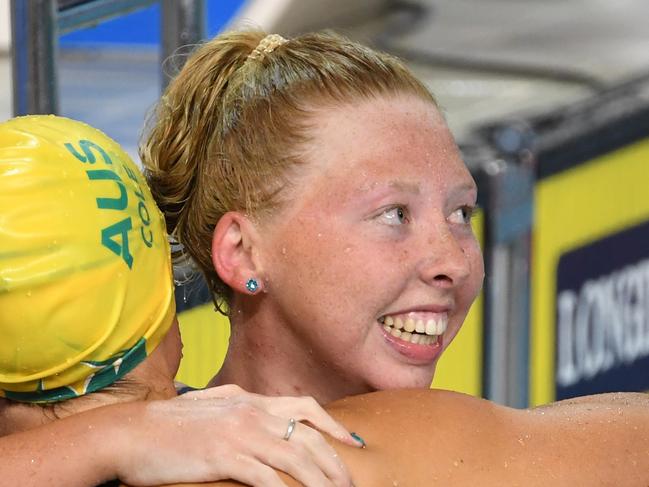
[{"x": 37, "y": 25}]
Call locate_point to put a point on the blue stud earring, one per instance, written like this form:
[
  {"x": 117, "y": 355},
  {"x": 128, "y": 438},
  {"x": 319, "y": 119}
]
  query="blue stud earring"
[{"x": 252, "y": 285}]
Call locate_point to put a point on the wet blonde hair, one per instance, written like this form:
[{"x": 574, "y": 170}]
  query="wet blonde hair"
[{"x": 230, "y": 126}]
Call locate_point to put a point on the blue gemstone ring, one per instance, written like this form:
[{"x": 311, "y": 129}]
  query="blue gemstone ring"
[{"x": 252, "y": 285}]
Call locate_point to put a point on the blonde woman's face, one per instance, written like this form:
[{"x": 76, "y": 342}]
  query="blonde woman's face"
[{"x": 376, "y": 241}]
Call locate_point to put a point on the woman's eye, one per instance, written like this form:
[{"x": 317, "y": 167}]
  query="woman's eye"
[
  {"x": 462, "y": 215},
  {"x": 395, "y": 216}
]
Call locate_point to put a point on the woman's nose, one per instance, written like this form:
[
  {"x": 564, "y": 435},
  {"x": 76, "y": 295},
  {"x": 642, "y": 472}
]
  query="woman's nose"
[{"x": 446, "y": 264}]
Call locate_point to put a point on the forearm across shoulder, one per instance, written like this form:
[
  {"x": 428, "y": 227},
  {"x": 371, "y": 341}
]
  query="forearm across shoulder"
[{"x": 75, "y": 451}]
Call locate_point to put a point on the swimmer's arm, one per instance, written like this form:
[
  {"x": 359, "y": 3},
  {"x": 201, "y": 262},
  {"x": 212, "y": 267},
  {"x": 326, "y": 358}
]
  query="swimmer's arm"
[{"x": 78, "y": 451}]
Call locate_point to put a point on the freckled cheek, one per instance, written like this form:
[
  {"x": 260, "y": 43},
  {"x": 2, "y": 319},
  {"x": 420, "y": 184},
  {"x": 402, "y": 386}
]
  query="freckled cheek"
[
  {"x": 476, "y": 263},
  {"x": 395, "y": 264},
  {"x": 318, "y": 260}
]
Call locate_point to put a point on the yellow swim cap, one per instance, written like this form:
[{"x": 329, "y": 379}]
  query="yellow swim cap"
[{"x": 86, "y": 289}]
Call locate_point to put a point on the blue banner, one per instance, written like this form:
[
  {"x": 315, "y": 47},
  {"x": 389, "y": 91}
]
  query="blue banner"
[{"x": 602, "y": 322}]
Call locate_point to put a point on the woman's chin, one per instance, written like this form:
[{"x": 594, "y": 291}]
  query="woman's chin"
[{"x": 401, "y": 376}]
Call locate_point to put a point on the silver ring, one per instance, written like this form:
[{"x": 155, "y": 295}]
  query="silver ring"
[{"x": 289, "y": 430}]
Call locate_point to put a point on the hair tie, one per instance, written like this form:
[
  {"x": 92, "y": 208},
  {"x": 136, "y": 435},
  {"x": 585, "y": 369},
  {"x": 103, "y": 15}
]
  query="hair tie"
[{"x": 267, "y": 45}]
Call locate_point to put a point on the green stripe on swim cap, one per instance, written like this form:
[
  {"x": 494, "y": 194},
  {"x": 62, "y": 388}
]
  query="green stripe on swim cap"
[{"x": 107, "y": 372}]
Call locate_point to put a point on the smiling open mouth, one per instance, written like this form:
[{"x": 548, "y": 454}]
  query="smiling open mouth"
[{"x": 422, "y": 331}]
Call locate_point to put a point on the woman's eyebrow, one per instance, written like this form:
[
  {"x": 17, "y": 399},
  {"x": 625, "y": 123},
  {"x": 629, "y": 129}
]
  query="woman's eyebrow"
[
  {"x": 464, "y": 187},
  {"x": 403, "y": 186}
]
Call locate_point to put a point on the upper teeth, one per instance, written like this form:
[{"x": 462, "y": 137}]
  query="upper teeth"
[
  {"x": 415, "y": 330},
  {"x": 431, "y": 326}
]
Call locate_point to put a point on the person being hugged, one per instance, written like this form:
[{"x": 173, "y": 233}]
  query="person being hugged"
[{"x": 315, "y": 184}]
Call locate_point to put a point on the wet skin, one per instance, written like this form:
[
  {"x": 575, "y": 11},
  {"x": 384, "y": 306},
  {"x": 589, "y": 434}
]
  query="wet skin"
[
  {"x": 377, "y": 224},
  {"x": 425, "y": 438}
]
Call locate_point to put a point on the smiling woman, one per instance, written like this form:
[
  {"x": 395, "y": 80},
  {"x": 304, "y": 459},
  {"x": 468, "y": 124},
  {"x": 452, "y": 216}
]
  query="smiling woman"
[
  {"x": 323, "y": 171},
  {"x": 394, "y": 213}
]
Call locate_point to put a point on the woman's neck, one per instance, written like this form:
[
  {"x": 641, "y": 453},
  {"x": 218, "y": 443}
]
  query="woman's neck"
[
  {"x": 138, "y": 385},
  {"x": 265, "y": 358}
]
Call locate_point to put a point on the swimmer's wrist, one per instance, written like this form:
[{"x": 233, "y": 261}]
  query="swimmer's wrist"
[{"x": 118, "y": 438}]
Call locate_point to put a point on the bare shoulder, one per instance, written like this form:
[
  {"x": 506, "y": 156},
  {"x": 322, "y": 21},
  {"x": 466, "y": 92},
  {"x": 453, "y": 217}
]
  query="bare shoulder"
[
  {"x": 421, "y": 403},
  {"x": 435, "y": 437}
]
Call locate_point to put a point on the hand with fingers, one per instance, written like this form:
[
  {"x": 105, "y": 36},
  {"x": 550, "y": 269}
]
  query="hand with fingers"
[{"x": 228, "y": 433}]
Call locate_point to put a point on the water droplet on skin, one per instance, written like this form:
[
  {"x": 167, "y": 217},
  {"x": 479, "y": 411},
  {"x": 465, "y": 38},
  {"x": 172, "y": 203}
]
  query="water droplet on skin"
[{"x": 319, "y": 235}]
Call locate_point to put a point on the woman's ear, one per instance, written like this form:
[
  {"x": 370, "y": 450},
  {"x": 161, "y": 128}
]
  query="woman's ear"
[{"x": 233, "y": 252}]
